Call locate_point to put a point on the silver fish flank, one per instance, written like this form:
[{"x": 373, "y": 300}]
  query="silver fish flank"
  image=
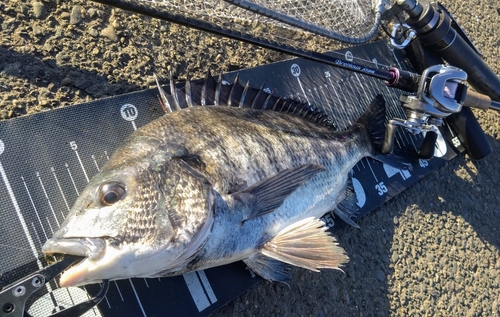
[{"x": 245, "y": 179}]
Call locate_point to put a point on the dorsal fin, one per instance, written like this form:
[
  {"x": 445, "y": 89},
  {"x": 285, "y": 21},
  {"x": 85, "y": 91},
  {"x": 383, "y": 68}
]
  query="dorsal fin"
[
  {"x": 218, "y": 90},
  {"x": 175, "y": 95},
  {"x": 236, "y": 92},
  {"x": 260, "y": 97},
  {"x": 246, "y": 90},
  {"x": 211, "y": 91},
  {"x": 189, "y": 98}
]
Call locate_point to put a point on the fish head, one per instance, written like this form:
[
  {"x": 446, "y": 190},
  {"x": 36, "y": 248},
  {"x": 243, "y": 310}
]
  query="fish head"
[{"x": 136, "y": 218}]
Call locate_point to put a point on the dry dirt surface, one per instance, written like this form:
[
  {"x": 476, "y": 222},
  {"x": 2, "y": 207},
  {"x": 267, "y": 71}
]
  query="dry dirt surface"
[{"x": 431, "y": 251}]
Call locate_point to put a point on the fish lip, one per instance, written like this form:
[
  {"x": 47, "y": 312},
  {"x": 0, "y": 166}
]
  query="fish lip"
[{"x": 91, "y": 248}]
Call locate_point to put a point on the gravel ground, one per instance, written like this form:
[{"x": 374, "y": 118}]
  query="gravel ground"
[{"x": 431, "y": 251}]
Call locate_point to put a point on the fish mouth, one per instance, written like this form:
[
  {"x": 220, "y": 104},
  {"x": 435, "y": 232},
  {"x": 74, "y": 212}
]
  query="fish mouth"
[{"x": 90, "y": 248}]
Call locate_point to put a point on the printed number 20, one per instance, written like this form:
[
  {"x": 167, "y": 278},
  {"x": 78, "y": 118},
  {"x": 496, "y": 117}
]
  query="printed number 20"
[{"x": 381, "y": 188}]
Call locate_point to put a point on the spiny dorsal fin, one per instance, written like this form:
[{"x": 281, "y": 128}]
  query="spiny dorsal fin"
[
  {"x": 209, "y": 86},
  {"x": 175, "y": 93},
  {"x": 218, "y": 90},
  {"x": 189, "y": 98},
  {"x": 209, "y": 92},
  {"x": 258, "y": 100},
  {"x": 163, "y": 97},
  {"x": 246, "y": 89},
  {"x": 268, "y": 194},
  {"x": 236, "y": 93},
  {"x": 306, "y": 244}
]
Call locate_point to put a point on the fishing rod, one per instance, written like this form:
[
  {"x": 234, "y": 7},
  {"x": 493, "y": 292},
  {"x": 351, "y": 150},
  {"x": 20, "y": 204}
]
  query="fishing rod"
[{"x": 395, "y": 78}]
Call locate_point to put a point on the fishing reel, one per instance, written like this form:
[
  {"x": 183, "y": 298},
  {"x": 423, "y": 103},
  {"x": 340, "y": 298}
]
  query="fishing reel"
[{"x": 441, "y": 92}]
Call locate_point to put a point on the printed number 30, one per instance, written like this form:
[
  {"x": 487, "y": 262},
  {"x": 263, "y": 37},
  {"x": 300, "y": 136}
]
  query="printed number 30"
[{"x": 381, "y": 188}]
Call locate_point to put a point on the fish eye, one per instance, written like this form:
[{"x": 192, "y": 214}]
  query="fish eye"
[{"x": 110, "y": 193}]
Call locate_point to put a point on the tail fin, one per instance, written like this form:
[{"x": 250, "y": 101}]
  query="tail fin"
[{"x": 373, "y": 121}]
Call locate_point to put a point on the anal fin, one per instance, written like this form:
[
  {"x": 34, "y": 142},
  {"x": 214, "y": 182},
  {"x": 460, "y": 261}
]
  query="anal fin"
[
  {"x": 269, "y": 268},
  {"x": 348, "y": 207},
  {"x": 306, "y": 244}
]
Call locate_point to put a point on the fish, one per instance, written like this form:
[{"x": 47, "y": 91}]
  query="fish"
[{"x": 230, "y": 173}]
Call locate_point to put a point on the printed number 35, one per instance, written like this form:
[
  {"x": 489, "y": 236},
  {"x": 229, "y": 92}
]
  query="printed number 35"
[{"x": 381, "y": 188}]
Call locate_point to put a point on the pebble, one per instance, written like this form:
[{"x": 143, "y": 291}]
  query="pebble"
[
  {"x": 23, "y": 9},
  {"x": 4, "y": 114},
  {"x": 93, "y": 32},
  {"x": 92, "y": 13},
  {"x": 379, "y": 275},
  {"x": 110, "y": 33},
  {"x": 39, "y": 10},
  {"x": 66, "y": 81},
  {"x": 76, "y": 15}
]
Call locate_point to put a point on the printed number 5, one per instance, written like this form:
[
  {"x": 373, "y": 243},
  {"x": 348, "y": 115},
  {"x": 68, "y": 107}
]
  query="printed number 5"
[{"x": 381, "y": 188}]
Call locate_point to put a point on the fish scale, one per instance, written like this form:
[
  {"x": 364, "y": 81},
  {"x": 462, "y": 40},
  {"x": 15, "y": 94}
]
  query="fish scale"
[{"x": 226, "y": 131}]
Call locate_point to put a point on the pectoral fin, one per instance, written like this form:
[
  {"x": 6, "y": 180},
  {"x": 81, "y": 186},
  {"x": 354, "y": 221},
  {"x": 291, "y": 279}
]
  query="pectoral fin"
[
  {"x": 268, "y": 194},
  {"x": 306, "y": 244}
]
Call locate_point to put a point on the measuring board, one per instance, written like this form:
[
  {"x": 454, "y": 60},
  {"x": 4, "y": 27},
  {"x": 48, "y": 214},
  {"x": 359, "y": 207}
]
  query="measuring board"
[{"x": 46, "y": 160}]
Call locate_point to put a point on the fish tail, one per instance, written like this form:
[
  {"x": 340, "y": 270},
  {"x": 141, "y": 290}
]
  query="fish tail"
[{"x": 373, "y": 122}]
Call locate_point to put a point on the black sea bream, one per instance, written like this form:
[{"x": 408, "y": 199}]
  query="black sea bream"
[{"x": 246, "y": 178}]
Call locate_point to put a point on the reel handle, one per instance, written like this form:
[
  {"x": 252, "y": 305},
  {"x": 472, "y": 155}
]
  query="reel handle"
[{"x": 426, "y": 151}]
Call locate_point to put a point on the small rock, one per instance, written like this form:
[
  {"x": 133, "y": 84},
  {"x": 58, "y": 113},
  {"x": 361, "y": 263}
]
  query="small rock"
[
  {"x": 379, "y": 275},
  {"x": 4, "y": 114},
  {"x": 39, "y": 10},
  {"x": 93, "y": 32},
  {"x": 76, "y": 15},
  {"x": 64, "y": 15},
  {"x": 92, "y": 13},
  {"x": 110, "y": 33},
  {"x": 150, "y": 80},
  {"x": 66, "y": 81},
  {"x": 23, "y": 9}
]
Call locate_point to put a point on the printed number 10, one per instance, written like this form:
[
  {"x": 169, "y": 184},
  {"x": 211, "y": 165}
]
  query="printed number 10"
[{"x": 381, "y": 188}]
